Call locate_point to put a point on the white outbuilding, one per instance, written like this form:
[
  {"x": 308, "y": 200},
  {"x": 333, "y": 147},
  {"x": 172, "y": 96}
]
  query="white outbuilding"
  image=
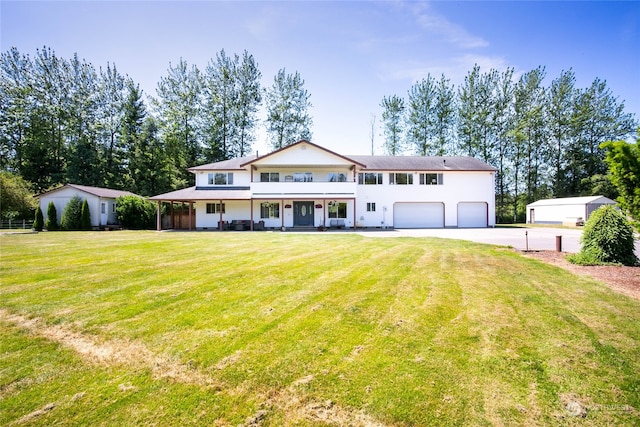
[
  {"x": 569, "y": 210},
  {"x": 102, "y": 202}
]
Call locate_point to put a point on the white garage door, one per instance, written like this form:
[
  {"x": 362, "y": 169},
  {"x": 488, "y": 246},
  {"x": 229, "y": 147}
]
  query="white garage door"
[
  {"x": 418, "y": 215},
  {"x": 472, "y": 215}
]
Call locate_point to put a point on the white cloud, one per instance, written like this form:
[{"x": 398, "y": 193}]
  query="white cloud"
[{"x": 443, "y": 27}]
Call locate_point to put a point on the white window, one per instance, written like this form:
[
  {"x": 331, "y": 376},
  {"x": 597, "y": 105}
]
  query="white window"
[
  {"x": 303, "y": 177},
  {"x": 337, "y": 177},
  {"x": 337, "y": 210},
  {"x": 103, "y": 208},
  {"x": 269, "y": 177},
  {"x": 220, "y": 178},
  {"x": 401, "y": 178},
  {"x": 213, "y": 208},
  {"x": 113, "y": 208},
  {"x": 371, "y": 207},
  {"x": 431, "y": 179},
  {"x": 369, "y": 178},
  {"x": 269, "y": 210}
]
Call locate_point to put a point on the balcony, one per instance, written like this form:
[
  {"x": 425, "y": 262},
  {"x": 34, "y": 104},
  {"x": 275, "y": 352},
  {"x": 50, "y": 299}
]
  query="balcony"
[{"x": 311, "y": 190}]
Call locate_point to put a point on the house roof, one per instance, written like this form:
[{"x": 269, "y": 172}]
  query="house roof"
[
  {"x": 377, "y": 163},
  {"x": 585, "y": 200},
  {"x": 106, "y": 193},
  {"x": 231, "y": 164},
  {"x": 204, "y": 193},
  {"x": 422, "y": 163}
]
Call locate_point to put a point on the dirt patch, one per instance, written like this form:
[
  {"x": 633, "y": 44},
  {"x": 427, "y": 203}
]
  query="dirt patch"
[
  {"x": 622, "y": 279},
  {"x": 293, "y": 403},
  {"x": 111, "y": 352}
]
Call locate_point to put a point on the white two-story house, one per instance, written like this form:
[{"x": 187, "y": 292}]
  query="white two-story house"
[{"x": 305, "y": 185}]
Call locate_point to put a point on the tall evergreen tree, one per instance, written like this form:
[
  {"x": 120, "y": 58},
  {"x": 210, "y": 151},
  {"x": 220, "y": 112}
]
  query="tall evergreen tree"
[
  {"x": 133, "y": 116},
  {"x": 421, "y": 116},
  {"x": 249, "y": 98},
  {"x": 598, "y": 117},
  {"x": 111, "y": 96},
  {"x": 288, "y": 105},
  {"x": 560, "y": 103},
  {"x": 530, "y": 133},
  {"x": 445, "y": 116},
  {"x": 393, "y": 122},
  {"x": 178, "y": 108}
]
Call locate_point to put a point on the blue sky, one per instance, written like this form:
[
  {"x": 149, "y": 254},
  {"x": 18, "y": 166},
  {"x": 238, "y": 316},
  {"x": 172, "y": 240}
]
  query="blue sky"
[{"x": 350, "y": 54}]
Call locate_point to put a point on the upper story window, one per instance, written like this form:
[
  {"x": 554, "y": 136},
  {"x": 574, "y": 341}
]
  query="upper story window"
[
  {"x": 431, "y": 179},
  {"x": 369, "y": 178},
  {"x": 303, "y": 177},
  {"x": 220, "y": 178},
  {"x": 337, "y": 177},
  {"x": 401, "y": 178},
  {"x": 269, "y": 177}
]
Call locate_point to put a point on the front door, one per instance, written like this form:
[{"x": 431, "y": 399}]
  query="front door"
[{"x": 303, "y": 214}]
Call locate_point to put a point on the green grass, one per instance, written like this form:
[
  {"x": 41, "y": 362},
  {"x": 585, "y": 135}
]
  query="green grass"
[{"x": 145, "y": 328}]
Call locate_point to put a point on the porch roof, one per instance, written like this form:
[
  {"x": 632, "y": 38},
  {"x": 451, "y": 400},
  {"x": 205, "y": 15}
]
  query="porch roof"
[{"x": 193, "y": 193}]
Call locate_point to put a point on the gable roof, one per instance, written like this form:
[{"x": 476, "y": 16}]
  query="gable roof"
[
  {"x": 583, "y": 200},
  {"x": 303, "y": 141},
  {"x": 106, "y": 193}
]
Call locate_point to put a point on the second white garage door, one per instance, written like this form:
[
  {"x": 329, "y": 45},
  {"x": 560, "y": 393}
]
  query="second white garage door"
[
  {"x": 418, "y": 215},
  {"x": 472, "y": 215}
]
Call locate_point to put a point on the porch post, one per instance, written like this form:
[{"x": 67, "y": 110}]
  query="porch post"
[
  {"x": 282, "y": 216},
  {"x": 221, "y": 228},
  {"x": 159, "y": 217},
  {"x": 324, "y": 212},
  {"x": 190, "y": 212},
  {"x": 173, "y": 221},
  {"x": 355, "y": 218},
  {"x": 251, "y": 210}
]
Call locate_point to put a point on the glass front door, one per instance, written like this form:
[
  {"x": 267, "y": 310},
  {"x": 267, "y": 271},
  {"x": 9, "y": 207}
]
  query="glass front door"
[{"x": 303, "y": 214}]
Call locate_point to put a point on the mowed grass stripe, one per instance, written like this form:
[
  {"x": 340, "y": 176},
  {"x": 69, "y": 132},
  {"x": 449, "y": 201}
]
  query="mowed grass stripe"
[{"x": 406, "y": 331}]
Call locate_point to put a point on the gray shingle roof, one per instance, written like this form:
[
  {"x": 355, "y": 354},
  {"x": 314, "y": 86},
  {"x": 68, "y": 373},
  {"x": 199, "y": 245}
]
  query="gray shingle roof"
[
  {"x": 380, "y": 163},
  {"x": 96, "y": 191},
  {"x": 422, "y": 163}
]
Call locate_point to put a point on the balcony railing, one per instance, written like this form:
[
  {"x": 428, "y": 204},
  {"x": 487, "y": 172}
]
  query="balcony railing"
[{"x": 323, "y": 189}]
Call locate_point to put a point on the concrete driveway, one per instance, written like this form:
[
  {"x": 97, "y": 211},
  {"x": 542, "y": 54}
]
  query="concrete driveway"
[{"x": 519, "y": 238}]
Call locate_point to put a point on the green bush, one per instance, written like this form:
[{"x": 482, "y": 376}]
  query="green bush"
[
  {"x": 135, "y": 213},
  {"x": 52, "y": 217},
  {"x": 38, "y": 223},
  {"x": 72, "y": 214},
  {"x": 607, "y": 239},
  {"x": 85, "y": 216}
]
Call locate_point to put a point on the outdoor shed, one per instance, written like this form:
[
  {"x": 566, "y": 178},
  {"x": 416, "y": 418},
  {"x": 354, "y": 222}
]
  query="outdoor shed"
[
  {"x": 102, "y": 202},
  {"x": 574, "y": 210}
]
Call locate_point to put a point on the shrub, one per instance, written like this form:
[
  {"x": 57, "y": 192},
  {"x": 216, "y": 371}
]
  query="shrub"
[
  {"x": 85, "y": 216},
  {"x": 607, "y": 239},
  {"x": 71, "y": 216},
  {"x": 135, "y": 213},
  {"x": 52, "y": 217},
  {"x": 38, "y": 223}
]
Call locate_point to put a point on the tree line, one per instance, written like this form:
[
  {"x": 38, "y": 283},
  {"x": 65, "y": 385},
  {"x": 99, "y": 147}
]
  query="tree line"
[
  {"x": 63, "y": 120},
  {"x": 545, "y": 141}
]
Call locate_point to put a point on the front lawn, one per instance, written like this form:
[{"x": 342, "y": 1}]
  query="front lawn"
[{"x": 264, "y": 328}]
